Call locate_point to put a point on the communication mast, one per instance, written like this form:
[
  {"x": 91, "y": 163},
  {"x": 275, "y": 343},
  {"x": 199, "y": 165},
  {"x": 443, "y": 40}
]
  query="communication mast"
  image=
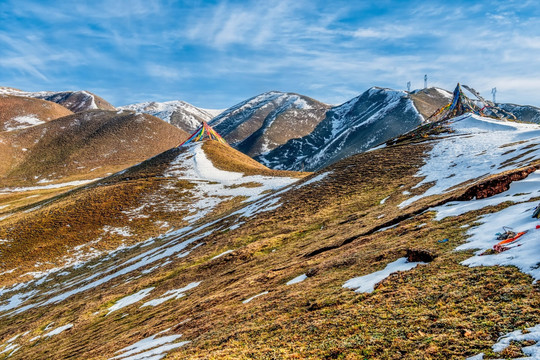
[
  {"x": 494, "y": 91},
  {"x": 408, "y": 86},
  {"x": 425, "y": 81}
]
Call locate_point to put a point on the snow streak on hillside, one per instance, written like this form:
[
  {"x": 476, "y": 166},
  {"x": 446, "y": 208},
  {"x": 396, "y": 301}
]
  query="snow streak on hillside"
[{"x": 214, "y": 186}]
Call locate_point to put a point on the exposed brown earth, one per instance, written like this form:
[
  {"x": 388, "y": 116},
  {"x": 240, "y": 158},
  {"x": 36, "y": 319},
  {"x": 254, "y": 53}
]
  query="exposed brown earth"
[
  {"x": 427, "y": 101},
  {"x": 269, "y": 120}
]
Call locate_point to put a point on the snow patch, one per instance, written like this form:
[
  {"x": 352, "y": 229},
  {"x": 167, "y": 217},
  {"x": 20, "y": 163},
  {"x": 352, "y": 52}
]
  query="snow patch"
[
  {"x": 254, "y": 297},
  {"x": 522, "y": 253},
  {"x": 171, "y": 294},
  {"x": 213, "y": 186},
  {"x": 366, "y": 283},
  {"x": 223, "y": 253},
  {"x": 297, "y": 279},
  {"x": 22, "y": 122},
  {"x": 479, "y": 147},
  {"x": 58, "y": 330},
  {"x": 131, "y": 299},
  {"x": 314, "y": 179},
  {"x": 52, "y": 186},
  {"x": 532, "y": 334},
  {"x": 150, "y": 348},
  {"x": 519, "y": 191}
]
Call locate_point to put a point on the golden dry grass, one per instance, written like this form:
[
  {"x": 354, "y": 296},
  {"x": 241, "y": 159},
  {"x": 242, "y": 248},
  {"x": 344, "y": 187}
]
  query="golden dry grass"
[
  {"x": 226, "y": 158},
  {"x": 43, "y": 225},
  {"x": 442, "y": 310}
]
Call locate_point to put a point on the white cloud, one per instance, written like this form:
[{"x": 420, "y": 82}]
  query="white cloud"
[
  {"x": 164, "y": 72},
  {"x": 388, "y": 32}
]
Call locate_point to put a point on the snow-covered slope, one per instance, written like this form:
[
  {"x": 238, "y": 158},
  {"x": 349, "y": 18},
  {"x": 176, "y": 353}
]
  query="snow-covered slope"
[
  {"x": 178, "y": 113},
  {"x": 480, "y": 147},
  {"x": 213, "y": 186},
  {"x": 355, "y": 126},
  {"x": 268, "y": 120},
  {"x": 75, "y": 101}
]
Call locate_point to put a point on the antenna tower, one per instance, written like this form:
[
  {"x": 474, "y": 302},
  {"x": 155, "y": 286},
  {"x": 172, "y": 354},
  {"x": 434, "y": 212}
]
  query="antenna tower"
[
  {"x": 494, "y": 91},
  {"x": 425, "y": 81},
  {"x": 408, "y": 86}
]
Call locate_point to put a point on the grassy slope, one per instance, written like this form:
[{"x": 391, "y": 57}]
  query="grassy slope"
[
  {"x": 82, "y": 146},
  {"x": 48, "y": 228},
  {"x": 440, "y": 311},
  {"x": 226, "y": 158}
]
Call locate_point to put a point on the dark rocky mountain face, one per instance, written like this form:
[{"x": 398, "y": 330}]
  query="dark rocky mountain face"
[{"x": 353, "y": 127}]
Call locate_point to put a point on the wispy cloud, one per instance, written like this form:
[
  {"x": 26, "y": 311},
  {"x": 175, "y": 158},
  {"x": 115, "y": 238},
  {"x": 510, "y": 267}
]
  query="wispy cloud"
[
  {"x": 216, "y": 53},
  {"x": 166, "y": 73}
]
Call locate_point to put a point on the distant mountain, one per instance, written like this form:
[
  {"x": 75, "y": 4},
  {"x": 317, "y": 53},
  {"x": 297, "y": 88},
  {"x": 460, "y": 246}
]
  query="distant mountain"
[
  {"x": 18, "y": 112},
  {"x": 527, "y": 113},
  {"x": 85, "y": 145},
  {"x": 75, "y": 101},
  {"x": 178, "y": 113},
  {"x": 356, "y": 126},
  {"x": 268, "y": 120},
  {"x": 429, "y": 100}
]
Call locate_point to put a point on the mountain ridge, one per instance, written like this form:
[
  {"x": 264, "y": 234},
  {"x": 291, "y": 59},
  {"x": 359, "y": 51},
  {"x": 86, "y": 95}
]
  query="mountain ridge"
[
  {"x": 264, "y": 121},
  {"x": 179, "y": 113}
]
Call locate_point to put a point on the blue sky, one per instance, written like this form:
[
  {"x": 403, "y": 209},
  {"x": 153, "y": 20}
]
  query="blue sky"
[{"x": 214, "y": 54}]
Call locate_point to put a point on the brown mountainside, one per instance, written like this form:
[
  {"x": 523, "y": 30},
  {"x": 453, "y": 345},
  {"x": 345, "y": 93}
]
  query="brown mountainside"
[
  {"x": 221, "y": 287},
  {"x": 75, "y": 101},
  {"x": 17, "y": 112},
  {"x": 84, "y": 145},
  {"x": 268, "y": 120}
]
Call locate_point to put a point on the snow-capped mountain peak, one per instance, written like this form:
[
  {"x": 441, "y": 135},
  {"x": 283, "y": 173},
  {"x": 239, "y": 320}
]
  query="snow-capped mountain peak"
[{"x": 179, "y": 113}]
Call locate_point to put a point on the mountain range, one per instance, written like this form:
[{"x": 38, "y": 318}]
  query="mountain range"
[
  {"x": 353, "y": 127},
  {"x": 75, "y": 101}
]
